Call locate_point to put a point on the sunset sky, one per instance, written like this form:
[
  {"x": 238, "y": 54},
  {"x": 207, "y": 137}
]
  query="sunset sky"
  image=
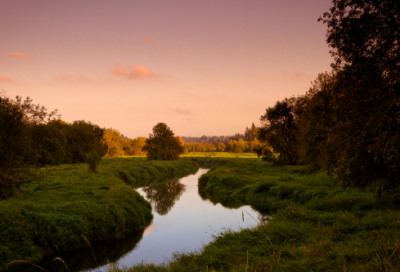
[{"x": 202, "y": 66}]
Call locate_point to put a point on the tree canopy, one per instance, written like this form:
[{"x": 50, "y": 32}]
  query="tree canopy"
[{"x": 162, "y": 144}]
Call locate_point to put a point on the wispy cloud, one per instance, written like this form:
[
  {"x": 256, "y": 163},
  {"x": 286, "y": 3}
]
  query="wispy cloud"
[
  {"x": 18, "y": 55},
  {"x": 133, "y": 72},
  {"x": 147, "y": 38},
  {"x": 182, "y": 111},
  {"x": 3, "y": 78},
  {"x": 70, "y": 78}
]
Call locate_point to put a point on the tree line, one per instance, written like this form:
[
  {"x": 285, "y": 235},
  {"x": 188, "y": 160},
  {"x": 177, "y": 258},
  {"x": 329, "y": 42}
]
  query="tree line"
[
  {"x": 348, "y": 123},
  {"x": 249, "y": 134}
]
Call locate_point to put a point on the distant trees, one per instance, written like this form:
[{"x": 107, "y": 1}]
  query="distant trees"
[
  {"x": 162, "y": 144},
  {"x": 250, "y": 133}
]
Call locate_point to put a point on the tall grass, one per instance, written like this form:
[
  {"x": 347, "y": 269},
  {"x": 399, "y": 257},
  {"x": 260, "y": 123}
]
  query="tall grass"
[
  {"x": 71, "y": 202},
  {"x": 316, "y": 225}
]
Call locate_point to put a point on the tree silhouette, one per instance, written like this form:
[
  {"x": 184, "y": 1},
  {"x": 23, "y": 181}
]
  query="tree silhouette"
[{"x": 162, "y": 145}]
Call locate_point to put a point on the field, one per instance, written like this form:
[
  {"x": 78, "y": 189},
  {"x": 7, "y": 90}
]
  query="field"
[
  {"x": 71, "y": 205},
  {"x": 310, "y": 223}
]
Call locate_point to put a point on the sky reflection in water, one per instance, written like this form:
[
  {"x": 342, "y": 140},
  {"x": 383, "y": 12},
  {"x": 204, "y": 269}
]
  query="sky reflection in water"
[{"x": 182, "y": 221}]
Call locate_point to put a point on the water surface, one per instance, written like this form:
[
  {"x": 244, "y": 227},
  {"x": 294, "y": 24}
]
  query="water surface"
[{"x": 183, "y": 221}]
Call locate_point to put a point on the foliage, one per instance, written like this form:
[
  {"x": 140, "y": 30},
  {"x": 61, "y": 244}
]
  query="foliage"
[
  {"x": 251, "y": 133},
  {"x": 82, "y": 138},
  {"x": 280, "y": 128},
  {"x": 18, "y": 160},
  {"x": 162, "y": 145},
  {"x": 114, "y": 142},
  {"x": 363, "y": 144},
  {"x": 93, "y": 160},
  {"x": 50, "y": 144},
  {"x": 220, "y": 147},
  {"x": 317, "y": 121},
  {"x": 364, "y": 31}
]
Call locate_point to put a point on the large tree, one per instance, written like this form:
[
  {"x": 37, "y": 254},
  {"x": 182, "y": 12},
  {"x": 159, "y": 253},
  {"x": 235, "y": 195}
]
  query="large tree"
[
  {"x": 162, "y": 144},
  {"x": 365, "y": 142}
]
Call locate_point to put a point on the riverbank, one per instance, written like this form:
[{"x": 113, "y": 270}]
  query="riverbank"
[
  {"x": 72, "y": 204},
  {"x": 316, "y": 225}
]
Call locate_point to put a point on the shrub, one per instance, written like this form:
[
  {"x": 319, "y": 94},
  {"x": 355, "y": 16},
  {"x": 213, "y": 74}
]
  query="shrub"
[{"x": 93, "y": 160}]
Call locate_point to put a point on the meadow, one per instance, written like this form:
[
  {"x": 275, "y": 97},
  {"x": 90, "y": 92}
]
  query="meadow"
[
  {"x": 72, "y": 207},
  {"x": 310, "y": 222}
]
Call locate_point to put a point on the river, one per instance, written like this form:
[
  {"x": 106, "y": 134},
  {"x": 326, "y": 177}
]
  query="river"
[{"x": 183, "y": 221}]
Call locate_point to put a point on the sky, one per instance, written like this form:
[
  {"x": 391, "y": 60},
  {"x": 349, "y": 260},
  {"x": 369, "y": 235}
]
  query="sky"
[{"x": 209, "y": 67}]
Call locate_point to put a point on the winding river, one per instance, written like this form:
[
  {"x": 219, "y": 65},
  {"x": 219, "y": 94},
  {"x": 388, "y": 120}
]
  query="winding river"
[{"x": 183, "y": 221}]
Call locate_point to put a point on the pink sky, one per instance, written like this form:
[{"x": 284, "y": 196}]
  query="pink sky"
[{"x": 203, "y": 67}]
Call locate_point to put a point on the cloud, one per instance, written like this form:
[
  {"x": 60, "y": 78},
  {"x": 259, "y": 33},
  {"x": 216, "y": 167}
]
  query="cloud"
[
  {"x": 181, "y": 111},
  {"x": 3, "y": 78},
  {"x": 18, "y": 55},
  {"x": 147, "y": 38},
  {"x": 133, "y": 72},
  {"x": 69, "y": 77}
]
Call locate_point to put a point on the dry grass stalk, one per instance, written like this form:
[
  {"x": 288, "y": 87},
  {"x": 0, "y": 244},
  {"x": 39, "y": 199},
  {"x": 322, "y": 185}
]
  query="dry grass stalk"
[
  {"x": 87, "y": 242},
  {"x": 61, "y": 260},
  {"x": 22, "y": 261}
]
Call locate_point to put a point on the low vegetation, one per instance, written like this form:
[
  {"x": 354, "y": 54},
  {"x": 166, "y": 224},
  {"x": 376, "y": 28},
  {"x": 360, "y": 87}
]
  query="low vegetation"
[
  {"x": 72, "y": 204},
  {"x": 316, "y": 224}
]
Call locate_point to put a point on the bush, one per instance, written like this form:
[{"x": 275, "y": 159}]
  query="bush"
[{"x": 93, "y": 160}]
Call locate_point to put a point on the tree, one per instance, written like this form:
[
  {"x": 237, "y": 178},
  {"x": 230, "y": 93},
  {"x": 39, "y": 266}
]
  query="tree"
[
  {"x": 250, "y": 133},
  {"x": 317, "y": 121},
  {"x": 18, "y": 159},
  {"x": 137, "y": 145},
  {"x": 220, "y": 147},
  {"x": 368, "y": 30},
  {"x": 49, "y": 144},
  {"x": 114, "y": 142},
  {"x": 84, "y": 137},
  {"x": 280, "y": 128},
  {"x": 364, "y": 144},
  {"x": 162, "y": 145}
]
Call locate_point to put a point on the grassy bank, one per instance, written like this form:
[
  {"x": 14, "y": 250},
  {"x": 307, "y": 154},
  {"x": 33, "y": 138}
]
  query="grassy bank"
[
  {"x": 316, "y": 225},
  {"x": 55, "y": 213}
]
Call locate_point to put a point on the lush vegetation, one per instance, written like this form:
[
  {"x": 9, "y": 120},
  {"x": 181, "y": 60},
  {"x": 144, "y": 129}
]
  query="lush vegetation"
[
  {"x": 310, "y": 223},
  {"x": 162, "y": 144},
  {"x": 348, "y": 123},
  {"x": 30, "y": 138},
  {"x": 71, "y": 202}
]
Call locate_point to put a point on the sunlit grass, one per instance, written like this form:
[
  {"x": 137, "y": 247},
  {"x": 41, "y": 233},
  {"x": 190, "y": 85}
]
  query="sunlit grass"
[{"x": 219, "y": 155}]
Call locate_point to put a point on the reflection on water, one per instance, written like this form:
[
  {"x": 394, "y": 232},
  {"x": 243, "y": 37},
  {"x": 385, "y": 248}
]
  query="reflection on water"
[
  {"x": 183, "y": 221},
  {"x": 163, "y": 196},
  {"x": 82, "y": 259}
]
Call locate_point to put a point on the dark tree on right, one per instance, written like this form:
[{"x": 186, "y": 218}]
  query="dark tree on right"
[{"x": 364, "y": 142}]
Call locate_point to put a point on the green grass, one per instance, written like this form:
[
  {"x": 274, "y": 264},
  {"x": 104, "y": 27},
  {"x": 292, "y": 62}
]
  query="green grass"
[
  {"x": 54, "y": 213},
  {"x": 316, "y": 225},
  {"x": 218, "y": 155}
]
